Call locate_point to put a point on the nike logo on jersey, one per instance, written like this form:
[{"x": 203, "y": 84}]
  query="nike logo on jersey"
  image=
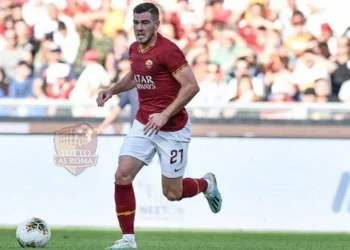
[{"x": 177, "y": 170}]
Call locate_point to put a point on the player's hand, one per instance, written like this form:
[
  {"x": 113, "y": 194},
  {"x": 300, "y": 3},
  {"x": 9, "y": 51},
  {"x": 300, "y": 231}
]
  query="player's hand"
[
  {"x": 103, "y": 97},
  {"x": 98, "y": 130},
  {"x": 155, "y": 123}
]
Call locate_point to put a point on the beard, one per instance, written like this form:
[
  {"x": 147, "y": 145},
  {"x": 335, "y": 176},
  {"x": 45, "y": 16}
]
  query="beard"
[{"x": 144, "y": 39}]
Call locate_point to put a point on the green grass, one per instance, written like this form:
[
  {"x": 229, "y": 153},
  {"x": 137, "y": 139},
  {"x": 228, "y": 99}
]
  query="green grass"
[{"x": 89, "y": 239}]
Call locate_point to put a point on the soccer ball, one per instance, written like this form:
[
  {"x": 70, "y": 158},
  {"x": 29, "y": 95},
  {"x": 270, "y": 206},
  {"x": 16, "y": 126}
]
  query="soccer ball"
[{"x": 33, "y": 232}]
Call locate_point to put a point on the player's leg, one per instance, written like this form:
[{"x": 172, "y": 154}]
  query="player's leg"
[
  {"x": 136, "y": 152},
  {"x": 178, "y": 188},
  {"x": 173, "y": 163},
  {"x": 124, "y": 197}
]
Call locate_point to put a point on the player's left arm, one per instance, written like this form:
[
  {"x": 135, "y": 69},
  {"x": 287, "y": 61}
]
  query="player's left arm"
[
  {"x": 175, "y": 62},
  {"x": 189, "y": 88}
]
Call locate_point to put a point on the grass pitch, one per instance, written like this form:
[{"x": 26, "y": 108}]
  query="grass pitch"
[{"x": 88, "y": 239}]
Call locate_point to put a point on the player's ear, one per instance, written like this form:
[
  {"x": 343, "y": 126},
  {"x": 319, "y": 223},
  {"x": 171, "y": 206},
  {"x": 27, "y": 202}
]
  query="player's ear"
[{"x": 157, "y": 24}]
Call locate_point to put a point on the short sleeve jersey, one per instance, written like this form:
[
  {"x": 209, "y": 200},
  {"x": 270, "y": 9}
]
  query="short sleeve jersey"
[{"x": 154, "y": 69}]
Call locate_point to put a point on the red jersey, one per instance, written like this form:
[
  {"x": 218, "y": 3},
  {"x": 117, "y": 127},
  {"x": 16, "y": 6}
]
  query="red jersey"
[{"x": 154, "y": 69}]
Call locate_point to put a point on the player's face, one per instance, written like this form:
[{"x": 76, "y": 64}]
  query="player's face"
[{"x": 145, "y": 28}]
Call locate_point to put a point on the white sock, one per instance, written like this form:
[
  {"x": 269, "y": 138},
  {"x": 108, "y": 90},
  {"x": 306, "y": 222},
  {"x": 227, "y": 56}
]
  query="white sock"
[
  {"x": 209, "y": 187},
  {"x": 129, "y": 237}
]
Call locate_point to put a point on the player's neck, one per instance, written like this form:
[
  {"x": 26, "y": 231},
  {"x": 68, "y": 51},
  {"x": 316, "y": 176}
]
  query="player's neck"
[{"x": 150, "y": 44}]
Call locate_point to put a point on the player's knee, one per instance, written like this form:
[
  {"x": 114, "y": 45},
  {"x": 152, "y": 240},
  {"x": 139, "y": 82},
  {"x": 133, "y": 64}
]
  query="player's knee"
[
  {"x": 122, "y": 177},
  {"x": 172, "y": 195}
]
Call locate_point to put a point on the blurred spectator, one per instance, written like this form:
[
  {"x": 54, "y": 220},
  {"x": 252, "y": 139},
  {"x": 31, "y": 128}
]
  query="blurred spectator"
[
  {"x": 21, "y": 84},
  {"x": 114, "y": 20},
  {"x": 245, "y": 92},
  {"x": 124, "y": 67},
  {"x": 308, "y": 95},
  {"x": 277, "y": 76},
  {"x": 342, "y": 60},
  {"x": 120, "y": 49},
  {"x": 182, "y": 18},
  {"x": 323, "y": 91},
  {"x": 34, "y": 12},
  {"x": 221, "y": 14},
  {"x": 42, "y": 55},
  {"x": 326, "y": 33},
  {"x": 13, "y": 14},
  {"x": 310, "y": 67},
  {"x": 199, "y": 59},
  {"x": 58, "y": 85},
  {"x": 213, "y": 87},
  {"x": 95, "y": 39},
  {"x": 12, "y": 54},
  {"x": 53, "y": 57},
  {"x": 73, "y": 8},
  {"x": 68, "y": 41},
  {"x": 50, "y": 21},
  {"x": 4, "y": 85},
  {"x": 92, "y": 79},
  {"x": 323, "y": 50},
  {"x": 224, "y": 47},
  {"x": 243, "y": 51},
  {"x": 212, "y": 92},
  {"x": 167, "y": 28},
  {"x": 282, "y": 92},
  {"x": 344, "y": 92},
  {"x": 25, "y": 39},
  {"x": 242, "y": 68},
  {"x": 297, "y": 42}
]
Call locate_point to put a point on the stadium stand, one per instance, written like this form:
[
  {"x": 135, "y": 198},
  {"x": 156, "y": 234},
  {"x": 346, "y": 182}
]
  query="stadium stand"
[{"x": 259, "y": 59}]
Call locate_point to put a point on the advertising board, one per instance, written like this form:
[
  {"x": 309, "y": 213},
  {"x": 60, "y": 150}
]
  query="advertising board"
[{"x": 267, "y": 184}]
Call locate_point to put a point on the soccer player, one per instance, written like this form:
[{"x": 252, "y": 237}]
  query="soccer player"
[{"x": 165, "y": 84}]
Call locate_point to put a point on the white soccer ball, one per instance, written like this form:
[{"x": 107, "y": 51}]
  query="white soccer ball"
[{"x": 33, "y": 232}]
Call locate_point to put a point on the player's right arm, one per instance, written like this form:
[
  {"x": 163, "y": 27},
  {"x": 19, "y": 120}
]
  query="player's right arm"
[{"x": 125, "y": 84}]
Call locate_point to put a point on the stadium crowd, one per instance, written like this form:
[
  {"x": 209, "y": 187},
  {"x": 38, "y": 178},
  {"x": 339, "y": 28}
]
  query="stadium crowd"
[{"x": 240, "y": 51}]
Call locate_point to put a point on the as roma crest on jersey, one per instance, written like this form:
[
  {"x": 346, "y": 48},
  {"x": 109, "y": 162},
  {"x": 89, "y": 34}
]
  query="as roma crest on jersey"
[
  {"x": 149, "y": 64},
  {"x": 76, "y": 148}
]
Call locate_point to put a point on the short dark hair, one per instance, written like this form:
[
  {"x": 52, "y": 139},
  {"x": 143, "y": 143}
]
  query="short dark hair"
[
  {"x": 245, "y": 76},
  {"x": 24, "y": 63},
  {"x": 298, "y": 13},
  {"x": 242, "y": 59},
  {"x": 148, "y": 7},
  {"x": 62, "y": 26},
  {"x": 309, "y": 91}
]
